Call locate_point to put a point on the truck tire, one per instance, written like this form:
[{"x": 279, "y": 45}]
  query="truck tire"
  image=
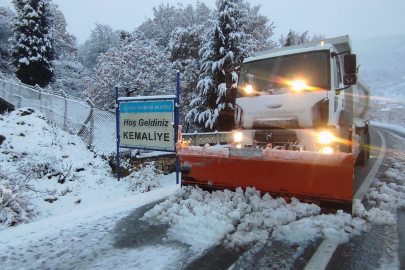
[
  {"x": 344, "y": 146},
  {"x": 367, "y": 146},
  {"x": 361, "y": 159},
  {"x": 364, "y": 154}
]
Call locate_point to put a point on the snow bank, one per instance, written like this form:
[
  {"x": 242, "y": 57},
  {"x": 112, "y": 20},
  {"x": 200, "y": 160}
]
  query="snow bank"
[
  {"x": 52, "y": 172},
  {"x": 387, "y": 192},
  {"x": 236, "y": 219}
]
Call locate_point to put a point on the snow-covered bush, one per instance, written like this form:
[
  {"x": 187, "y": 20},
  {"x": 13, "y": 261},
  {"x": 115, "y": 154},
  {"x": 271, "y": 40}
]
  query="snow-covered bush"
[
  {"x": 39, "y": 164},
  {"x": 15, "y": 203},
  {"x": 145, "y": 179}
]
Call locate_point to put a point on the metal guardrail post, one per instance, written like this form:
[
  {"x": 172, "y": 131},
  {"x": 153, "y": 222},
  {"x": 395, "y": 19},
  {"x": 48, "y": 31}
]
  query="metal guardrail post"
[
  {"x": 18, "y": 96},
  {"x": 91, "y": 136},
  {"x": 39, "y": 99},
  {"x": 19, "y": 91},
  {"x": 65, "y": 111},
  {"x": 197, "y": 140},
  {"x": 7, "y": 86}
]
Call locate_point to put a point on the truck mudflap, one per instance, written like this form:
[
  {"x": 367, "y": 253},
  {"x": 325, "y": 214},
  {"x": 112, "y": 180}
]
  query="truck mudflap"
[{"x": 323, "y": 179}]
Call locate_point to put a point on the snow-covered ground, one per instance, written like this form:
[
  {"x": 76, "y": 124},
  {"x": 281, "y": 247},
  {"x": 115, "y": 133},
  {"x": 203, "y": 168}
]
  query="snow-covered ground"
[
  {"x": 72, "y": 203},
  {"x": 55, "y": 172}
]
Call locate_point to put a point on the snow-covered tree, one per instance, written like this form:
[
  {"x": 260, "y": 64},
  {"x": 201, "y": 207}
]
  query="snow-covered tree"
[
  {"x": 6, "y": 25},
  {"x": 31, "y": 49},
  {"x": 167, "y": 18},
  {"x": 102, "y": 38},
  {"x": 183, "y": 30},
  {"x": 258, "y": 27},
  {"x": 69, "y": 76},
  {"x": 68, "y": 72},
  {"x": 184, "y": 46},
  {"x": 295, "y": 38},
  {"x": 124, "y": 36},
  {"x": 229, "y": 44},
  {"x": 64, "y": 44},
  {"x": 140, "y": 66}
]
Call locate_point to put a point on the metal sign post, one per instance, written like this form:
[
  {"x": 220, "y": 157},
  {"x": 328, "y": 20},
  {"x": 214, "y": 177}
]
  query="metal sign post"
[
  {"x": 117, "y": 118},
  {"x": 177, "y": 122},
  {"x": 148, "y": 123}
]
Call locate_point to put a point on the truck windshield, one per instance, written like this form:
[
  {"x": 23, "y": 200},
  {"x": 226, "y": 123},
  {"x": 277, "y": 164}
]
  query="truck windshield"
[{"x": 275, "y": 75}]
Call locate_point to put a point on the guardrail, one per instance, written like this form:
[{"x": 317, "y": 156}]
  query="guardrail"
[{"x": 212, "y": 138}]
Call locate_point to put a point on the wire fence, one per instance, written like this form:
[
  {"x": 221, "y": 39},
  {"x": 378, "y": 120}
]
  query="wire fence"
[{"x": 95, "y": 127}]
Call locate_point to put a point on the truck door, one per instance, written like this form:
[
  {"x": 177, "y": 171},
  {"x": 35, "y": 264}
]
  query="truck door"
[{"x": 336, "y": 95}]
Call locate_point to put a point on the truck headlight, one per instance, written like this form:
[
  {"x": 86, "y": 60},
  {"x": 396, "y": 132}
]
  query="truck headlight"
[
  {"x": 249, "y": 89},
  {"x": 298, "y": 85},
  {"x": 327, "y": 150},
  {"x": 237, "y": 136},
  {"x": 325, "y": 137}
]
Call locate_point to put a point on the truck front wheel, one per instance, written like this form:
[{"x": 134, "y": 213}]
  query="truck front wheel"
[
  {"x": 367, "y": 146},
  {"x": 361, "y": 159},
  {"x": 364, "y": 154}
]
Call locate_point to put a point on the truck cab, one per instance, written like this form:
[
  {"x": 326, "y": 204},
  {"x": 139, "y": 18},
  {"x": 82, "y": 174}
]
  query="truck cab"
[{"x": 306, "y": 97}]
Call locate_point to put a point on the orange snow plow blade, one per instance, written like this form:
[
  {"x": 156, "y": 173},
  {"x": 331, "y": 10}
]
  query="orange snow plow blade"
[{"x": 324, "y": 179}]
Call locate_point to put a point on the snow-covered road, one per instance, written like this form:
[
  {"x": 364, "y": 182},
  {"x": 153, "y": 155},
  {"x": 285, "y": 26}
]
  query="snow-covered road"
[{"x": 84, "y": 239}]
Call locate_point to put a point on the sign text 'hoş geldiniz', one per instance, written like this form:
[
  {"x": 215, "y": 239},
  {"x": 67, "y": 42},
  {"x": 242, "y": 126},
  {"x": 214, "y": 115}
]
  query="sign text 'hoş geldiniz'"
[{"x": 147, "y": 124}]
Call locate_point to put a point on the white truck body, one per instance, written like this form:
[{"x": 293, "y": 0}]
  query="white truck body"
[{"x": 294, "y": 117}]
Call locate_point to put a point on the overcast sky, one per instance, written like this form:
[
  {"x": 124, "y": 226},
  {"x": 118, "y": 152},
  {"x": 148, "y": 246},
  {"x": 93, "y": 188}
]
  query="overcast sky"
[{"x": 361, "y": 19}]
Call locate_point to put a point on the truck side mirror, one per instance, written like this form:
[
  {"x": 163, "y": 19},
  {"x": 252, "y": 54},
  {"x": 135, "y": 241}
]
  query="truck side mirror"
[
  {"x": 350, "y": 64},
  {"x": 229, "y": 80}
]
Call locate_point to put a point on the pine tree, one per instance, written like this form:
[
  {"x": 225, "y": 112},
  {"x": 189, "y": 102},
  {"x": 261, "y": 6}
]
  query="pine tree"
[
  {"x": 213, "y": 108},
  {"x": 31, "y": 49}
]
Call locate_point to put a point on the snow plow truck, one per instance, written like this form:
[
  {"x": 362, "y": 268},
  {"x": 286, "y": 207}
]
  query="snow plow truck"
[{"x": 300, "y": 127}]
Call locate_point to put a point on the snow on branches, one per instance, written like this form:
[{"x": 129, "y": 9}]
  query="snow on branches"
[
  {"x": 102, "y": 38},
  {"x": 228, "y": 46},
  {"x": 138, "y": 65},
  {"x": 15, "y": 202},
  {"x": 31, "y": 48}
]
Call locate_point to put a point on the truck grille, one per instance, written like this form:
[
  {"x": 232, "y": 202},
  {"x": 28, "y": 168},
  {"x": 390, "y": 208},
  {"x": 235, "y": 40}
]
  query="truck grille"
[
  {"x": 275, "y": 123},
  {"x": 278, "y": 137}
]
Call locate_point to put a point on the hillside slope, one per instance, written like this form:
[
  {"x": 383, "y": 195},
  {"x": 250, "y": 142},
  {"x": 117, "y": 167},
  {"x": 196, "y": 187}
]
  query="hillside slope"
[{"x": 382, "y": 63}]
